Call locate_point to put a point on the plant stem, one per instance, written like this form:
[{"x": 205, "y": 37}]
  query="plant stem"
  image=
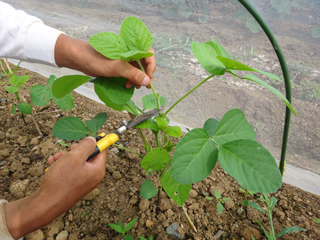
[
  {"x": 157, "y": 138},
  {"x": 154, "y": 92},
  {"x": 128, "y": 150},
  {"x": 184, "y": 96},
  {"x": 133, "y": 110}
]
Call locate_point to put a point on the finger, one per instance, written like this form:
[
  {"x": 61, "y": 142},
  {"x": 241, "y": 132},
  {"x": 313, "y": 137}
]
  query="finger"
[
  {"x": 150, "y": 65},
  {"x": 55, "y": 157},
  {"x": 134, "y": 75},
  {"x": 73, "y": 146}
]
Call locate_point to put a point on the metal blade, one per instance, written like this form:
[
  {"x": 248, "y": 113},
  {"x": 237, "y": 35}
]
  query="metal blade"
[{"x": 144, "y": 117}]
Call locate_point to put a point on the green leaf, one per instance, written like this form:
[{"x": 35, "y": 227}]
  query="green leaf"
[
  {"x": 13, "y": 109},
  {"x": 128, "y": 237},
  {"x": 97, "y": 122},
  {"x": 148, "y": 190},
  {"x": 116, "y": 227},
  {"x": 66, "y": 84},
  {"x": 142, "y": 238},
  {"x": 135, "y": 55},
  {"x": 174, "y": 131},
  {"x": 273, "y": 202},
  {"x": 149, "y": 101},
  {"x": 242, "y": 14},
  {"x": 130, "y": 225},
  {"x": 135, "y": 34},
  {"x": 255, "y": 79},
  {"x": 113, "y": 89},
  {"x": 210, "y": 126},
  {"x": 25, "y": 108},
  {"x": 65, "y": 103},
  {"x": 225, "y": 200},
  {"x": 163, "y": 124},
  {"x": 217, "y": 194},
  {"x": 51, "y": 80},
  {"x": 69, "y": 128},
  {"x": 206, "y": 54},
  {"x": 150, "y": 123},
  {"x": 40, "y": 95},
  {"x": 157, "y": 159},
  {"x": 316, "y": 220},
  {"x": 233, "y": 126},
  {"x": 264, "y": 230},
  {"x": 290, "y": 230},
  {"x": 254, "y": 205},
  {"x": 219, "y": 208},
  {"x": 18, "y": 81},
  {"x": 12, "y": 89},
  {"x": 194, "y": 158},
  {"x": 222, "y": 52},
  {"x": 315, "y": 32},
  {"x": 177, "y": 192},
  {"x": 251, "y": 165},
  {"x": 108, "y": 44}
]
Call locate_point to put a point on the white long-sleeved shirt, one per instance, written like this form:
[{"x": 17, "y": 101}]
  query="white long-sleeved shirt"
[{"x": 26, "y": 37}]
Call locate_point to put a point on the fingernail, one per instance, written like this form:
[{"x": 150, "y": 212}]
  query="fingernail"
[
  {"x": 146, "y": 81},
  {"x": 92, "y": 139}
]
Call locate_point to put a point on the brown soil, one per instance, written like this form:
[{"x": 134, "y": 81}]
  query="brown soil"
[{"x": 23, "y": 156}]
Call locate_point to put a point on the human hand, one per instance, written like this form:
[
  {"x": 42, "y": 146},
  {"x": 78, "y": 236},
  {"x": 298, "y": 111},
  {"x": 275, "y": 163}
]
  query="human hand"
[
  {"x": 79, "y": 55},
  {"x": 69, "y": 178}
]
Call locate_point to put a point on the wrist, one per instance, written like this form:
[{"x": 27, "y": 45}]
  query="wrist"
[{"x": 29, "y": 214}]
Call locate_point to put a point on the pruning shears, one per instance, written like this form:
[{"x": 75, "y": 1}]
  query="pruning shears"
[{"x": 105, "y": 140}]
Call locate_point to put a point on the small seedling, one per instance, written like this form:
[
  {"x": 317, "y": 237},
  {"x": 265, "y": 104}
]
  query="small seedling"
[
  {"x": 246, "y": 192},
  {"x": 63, "y": 143},
  {"x": 120, "y": 229},
  {"x": 316, "y": 220},
  {"x": 221, "y": 201},
  {"x": 270, "y": 205}
]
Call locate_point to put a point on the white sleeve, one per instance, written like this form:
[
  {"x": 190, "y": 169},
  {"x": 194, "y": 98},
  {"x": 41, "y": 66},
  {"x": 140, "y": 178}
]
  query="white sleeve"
[{"x": 26, "y": 37}]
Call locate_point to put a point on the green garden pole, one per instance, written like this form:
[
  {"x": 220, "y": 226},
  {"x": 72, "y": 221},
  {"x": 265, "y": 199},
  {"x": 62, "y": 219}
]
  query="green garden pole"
[{"x": 285, "y": 72}]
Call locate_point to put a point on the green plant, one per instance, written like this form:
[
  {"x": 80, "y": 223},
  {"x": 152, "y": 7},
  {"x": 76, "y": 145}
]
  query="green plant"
[
  {"x": 120, "y": 229},
  {"x": 63, "y": 143},
  {"x": 40, "y": 94},
  {"x": 231, "y": 140},
  {"x": 246, "y": 192},
  {"x": 270, "y": 205},
  {"x": 221, "y": 201},
  {"x": 316, "y": 220}
]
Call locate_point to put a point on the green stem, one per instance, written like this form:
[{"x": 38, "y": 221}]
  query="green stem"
[
  {"x": 184, "y": 96},
  {"x": 285, "y": 72},
  {"x": 154, "y": 92},
  {"x": 156, "y": 134},
  {"x": 143, "y": 137},
  {"x": 133, "y": 110},
  {"x": 128, "y": 150}
]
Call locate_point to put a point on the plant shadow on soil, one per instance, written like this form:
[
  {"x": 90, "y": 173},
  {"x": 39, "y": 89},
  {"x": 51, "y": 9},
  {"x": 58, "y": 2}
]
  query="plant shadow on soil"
[{"x": 23, "y": 156}]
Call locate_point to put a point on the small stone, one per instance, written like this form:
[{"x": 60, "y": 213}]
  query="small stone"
[
  {"x": 144, "y": 205},
  {"x": 229, "y": 204},
  {"x": 4, "y": 153},
  {"x": 193, "y": 193},
  {"x": 5, "y": 172},
  {"x": 63, "y": 235},
  {"x": 16, "y": 166},
  {"x": 114, "y": 150},
  {"x": 165, "y": 204},
  {"x": 18, "y": 188},
  {"x": 240, "y": 211},
  {"x": 70, "y": 217},
  {"x": 36, "y": 235},
  {"x": 22, "y": 140},
  {"x": 116, "y": 175},
  {"x": 25, "y": 160},
  {"x": 91, "y": 195},
  {"x": 111, "y": 189},
  {"x": 73, "y": 236},
  {"x": 250, "y": 232},
  {"x": 149, "y": 223},
  {"x": 34, "y": 141},
  {"x": 36, "y": 171},
  {"x": 55, "y": 227},
  {"x": 172, "y": 231}
]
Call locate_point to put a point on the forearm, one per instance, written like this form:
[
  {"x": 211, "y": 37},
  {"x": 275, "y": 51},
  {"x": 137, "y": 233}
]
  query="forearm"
[{"x": 30, "y": 213}]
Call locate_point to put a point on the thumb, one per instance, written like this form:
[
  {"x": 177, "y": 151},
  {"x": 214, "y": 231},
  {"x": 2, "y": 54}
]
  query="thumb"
[{"x": 133, "y": 74}]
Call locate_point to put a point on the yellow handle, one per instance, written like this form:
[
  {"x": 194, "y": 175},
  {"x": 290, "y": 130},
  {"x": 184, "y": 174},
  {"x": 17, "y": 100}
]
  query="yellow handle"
[{"x": 106, "y": 141}]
